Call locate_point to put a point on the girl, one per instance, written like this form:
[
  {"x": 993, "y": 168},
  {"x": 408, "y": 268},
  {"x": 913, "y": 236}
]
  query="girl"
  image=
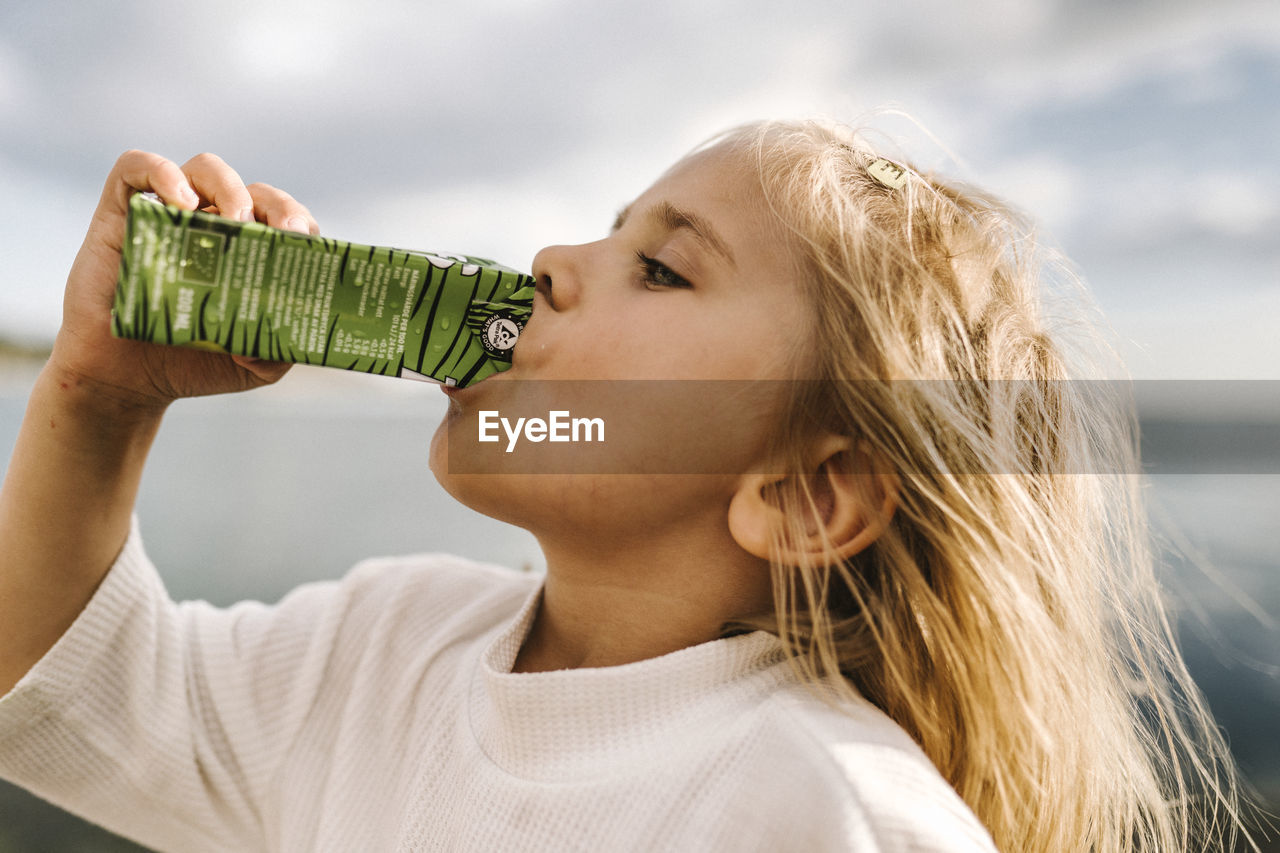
[{"x": 890, "y": 615}]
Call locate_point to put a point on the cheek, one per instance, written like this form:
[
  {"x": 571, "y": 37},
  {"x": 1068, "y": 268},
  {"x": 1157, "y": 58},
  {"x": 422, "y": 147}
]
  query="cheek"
[{"x": 624, "y": 340}]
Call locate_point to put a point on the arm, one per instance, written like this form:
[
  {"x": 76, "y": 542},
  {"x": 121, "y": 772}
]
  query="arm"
[
  {"x": 69, "y": 490},
  {"x": 64, "y": 511}
]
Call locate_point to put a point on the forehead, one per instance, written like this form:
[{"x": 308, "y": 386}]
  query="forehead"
[
  {"x": 720, "y": 187},
  {"x": 717, "y": 168},
  {"x": 712, "y": 179}
]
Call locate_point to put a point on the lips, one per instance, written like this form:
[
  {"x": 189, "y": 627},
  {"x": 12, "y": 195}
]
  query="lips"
[
  {"x": 453, "y": 392},
  {"x": 470, "y": 392}
]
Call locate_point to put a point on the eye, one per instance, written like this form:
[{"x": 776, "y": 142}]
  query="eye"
[{"x": 658, "y": 274}]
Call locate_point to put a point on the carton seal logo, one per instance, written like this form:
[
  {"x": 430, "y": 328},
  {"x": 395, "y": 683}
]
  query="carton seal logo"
[{"x": 499, "y": 333}]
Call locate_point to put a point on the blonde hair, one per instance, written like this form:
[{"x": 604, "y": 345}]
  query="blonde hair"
[{"x": 1008, "y": 618}]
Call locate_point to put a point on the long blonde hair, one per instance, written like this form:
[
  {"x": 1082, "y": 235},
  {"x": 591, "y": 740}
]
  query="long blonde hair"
[{"x": 1008, "y": 618}]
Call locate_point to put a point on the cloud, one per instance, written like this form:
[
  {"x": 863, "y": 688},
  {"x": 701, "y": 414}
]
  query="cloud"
[
  {"x": 1047, "y": 185},
  {"x": 1234, "y": 204}
]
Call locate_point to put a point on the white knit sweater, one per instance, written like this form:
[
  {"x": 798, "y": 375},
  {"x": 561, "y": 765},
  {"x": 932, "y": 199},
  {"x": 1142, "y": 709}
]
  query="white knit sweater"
[{"x": 380, "y": 713}]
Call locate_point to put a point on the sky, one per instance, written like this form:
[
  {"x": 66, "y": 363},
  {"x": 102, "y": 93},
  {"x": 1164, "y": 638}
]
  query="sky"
[{"x": 1140, "y": 135}]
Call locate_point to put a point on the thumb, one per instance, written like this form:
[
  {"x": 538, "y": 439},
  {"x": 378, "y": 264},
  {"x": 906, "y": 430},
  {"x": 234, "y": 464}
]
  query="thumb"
[{"x": 264, "y": 370}]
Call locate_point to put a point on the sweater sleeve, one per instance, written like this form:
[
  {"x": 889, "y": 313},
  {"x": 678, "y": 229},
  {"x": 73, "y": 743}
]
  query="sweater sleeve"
[{"x": 166, "y": 722}]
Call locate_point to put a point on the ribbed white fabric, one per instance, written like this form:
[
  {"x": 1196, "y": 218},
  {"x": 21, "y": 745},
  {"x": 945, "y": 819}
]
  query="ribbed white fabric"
[{"x": 380, "y": 713}]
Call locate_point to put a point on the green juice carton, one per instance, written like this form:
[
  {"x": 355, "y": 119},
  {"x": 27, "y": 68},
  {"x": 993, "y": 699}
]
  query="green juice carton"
[{"x": 189, "y": 278}]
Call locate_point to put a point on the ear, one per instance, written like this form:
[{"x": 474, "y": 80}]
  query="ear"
[{"x": 853, "y": 504}]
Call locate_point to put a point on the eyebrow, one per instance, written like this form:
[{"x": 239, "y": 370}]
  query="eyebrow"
[{"x": 674, "y": 219}]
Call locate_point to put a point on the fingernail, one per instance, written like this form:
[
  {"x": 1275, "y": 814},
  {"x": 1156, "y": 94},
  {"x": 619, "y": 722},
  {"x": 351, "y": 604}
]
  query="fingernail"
[
  {"x": 187, "y": 194},
  {"x": 246, "y": 215},
  {"x": 296, "y": 223}
]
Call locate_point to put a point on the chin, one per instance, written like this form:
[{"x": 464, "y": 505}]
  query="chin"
[
  {"x": 496, "y": 495},
  {"x": 462, "y": 487}
]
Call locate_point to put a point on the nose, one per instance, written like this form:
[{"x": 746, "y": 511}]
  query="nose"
[{"x": 557, "y": 275}]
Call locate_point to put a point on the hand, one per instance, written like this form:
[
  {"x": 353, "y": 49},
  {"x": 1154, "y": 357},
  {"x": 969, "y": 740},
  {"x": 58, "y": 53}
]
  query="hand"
[{"x": 142, "y": 375}]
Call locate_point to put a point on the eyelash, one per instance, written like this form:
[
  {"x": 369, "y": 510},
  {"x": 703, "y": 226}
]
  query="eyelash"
[{"x": 659, "y": 274}]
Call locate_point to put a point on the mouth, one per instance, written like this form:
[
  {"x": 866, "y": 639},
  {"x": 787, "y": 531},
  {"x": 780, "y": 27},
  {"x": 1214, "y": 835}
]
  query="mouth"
[
  {"x": 457, "y": 395},
  {"x": 463, "y": 394},
  {"x": 454, "y": 392}
]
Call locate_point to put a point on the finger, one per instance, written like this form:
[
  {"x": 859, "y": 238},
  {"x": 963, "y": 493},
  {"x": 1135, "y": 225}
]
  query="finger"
[
  {"x": 220, "y": 185},
  {"x": 281, "y": 210},
  {"x": 267, "y": 371},
  {"x": 143, "y": 171}
]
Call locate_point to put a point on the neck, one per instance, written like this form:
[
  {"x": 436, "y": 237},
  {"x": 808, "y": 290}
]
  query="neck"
[{"x": 639, "y": 599}]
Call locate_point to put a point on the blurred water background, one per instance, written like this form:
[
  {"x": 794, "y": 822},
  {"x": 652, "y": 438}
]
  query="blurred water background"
[{"x": 249, "y": 495}]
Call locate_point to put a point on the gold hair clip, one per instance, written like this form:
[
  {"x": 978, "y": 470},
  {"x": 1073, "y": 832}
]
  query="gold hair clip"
[{"x": 889, "y": 174}]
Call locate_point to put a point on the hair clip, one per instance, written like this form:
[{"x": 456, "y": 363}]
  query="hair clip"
[{"x": 889, "y": 174}]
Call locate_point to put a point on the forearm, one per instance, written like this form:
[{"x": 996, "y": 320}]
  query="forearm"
[{"x": 65, "y": 509}]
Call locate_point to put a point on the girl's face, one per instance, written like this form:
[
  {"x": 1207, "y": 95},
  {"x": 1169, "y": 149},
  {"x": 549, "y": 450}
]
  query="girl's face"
[{"x": 695, "y": 282}]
